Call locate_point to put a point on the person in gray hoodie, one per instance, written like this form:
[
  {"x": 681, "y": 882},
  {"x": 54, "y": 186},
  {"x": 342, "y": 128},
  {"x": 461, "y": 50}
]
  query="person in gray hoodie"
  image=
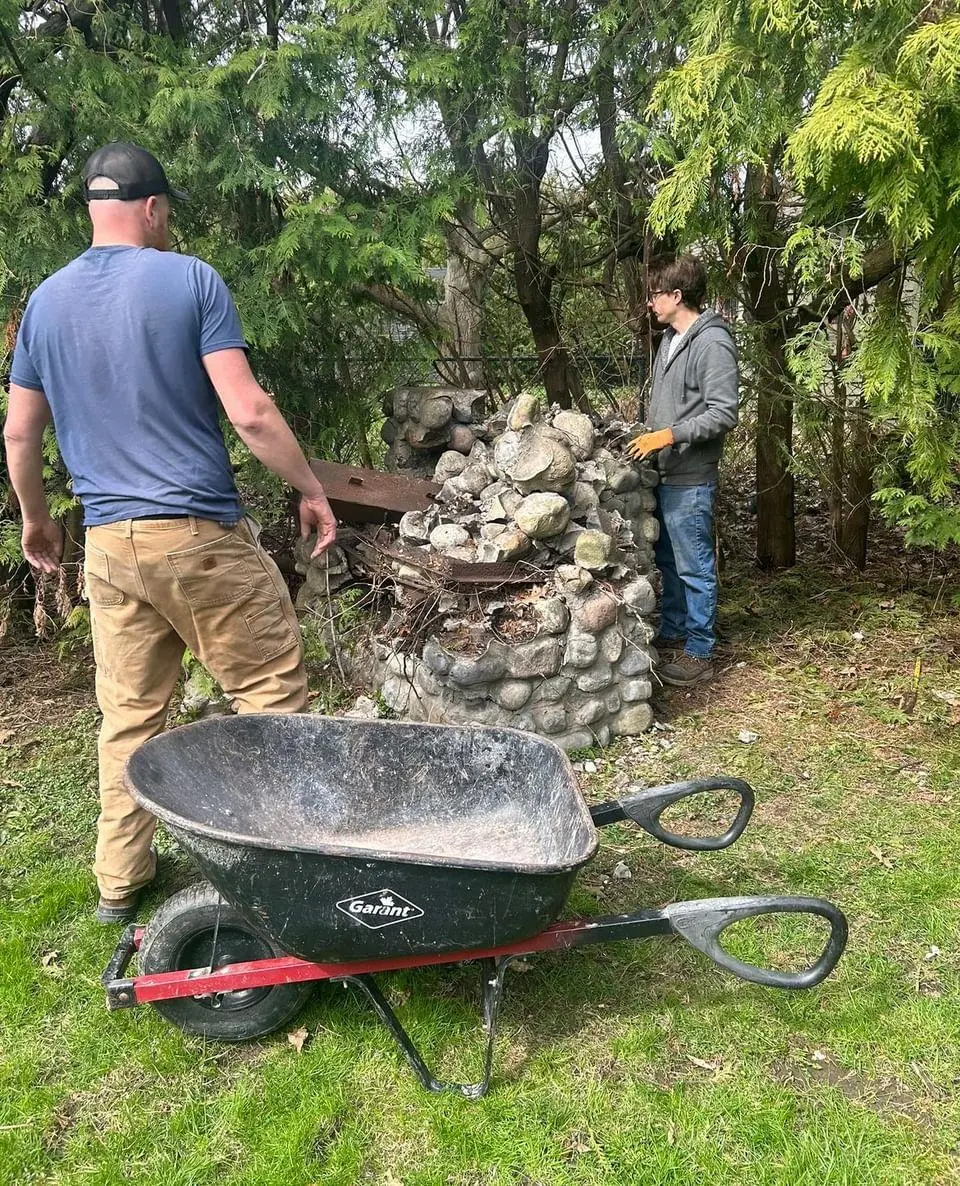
[{"x": 693, "y": 405}]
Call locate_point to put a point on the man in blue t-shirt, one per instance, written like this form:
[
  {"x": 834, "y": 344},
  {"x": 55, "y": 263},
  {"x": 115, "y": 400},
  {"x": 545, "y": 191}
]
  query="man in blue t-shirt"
[{"x": 132, "y": 350}]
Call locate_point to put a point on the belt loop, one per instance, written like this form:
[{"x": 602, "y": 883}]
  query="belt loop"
[
  {"x": 194, "y": 529},
  {"x": 128, "y": 528}
]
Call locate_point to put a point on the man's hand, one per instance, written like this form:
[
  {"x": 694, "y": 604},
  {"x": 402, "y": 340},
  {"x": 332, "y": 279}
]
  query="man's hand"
[
  {"x": 649, "y": 442},
  {"x": 42, "y": 543},
  {"x": 316, "y": 515}
]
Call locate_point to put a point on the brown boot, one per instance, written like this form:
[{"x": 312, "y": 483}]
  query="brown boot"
[{"x": 687, "y": 671}]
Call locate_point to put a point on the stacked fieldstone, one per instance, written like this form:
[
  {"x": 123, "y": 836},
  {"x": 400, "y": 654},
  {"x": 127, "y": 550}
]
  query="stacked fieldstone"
[
  {"x": 423, "y": 422},
  {"x": 538, "y": 488}
]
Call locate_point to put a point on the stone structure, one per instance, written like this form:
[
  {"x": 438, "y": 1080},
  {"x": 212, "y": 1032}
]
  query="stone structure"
[{"x": 566, "y": 654}]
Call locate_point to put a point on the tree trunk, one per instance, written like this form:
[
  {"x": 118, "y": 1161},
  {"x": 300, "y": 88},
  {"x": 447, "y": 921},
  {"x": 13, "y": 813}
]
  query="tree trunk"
[
  {"x": 767, "y": 298},
  {"x": 852, "y": 541}
]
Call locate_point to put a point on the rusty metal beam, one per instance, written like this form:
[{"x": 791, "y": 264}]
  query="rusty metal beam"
[{"x": 370, "y": 496}]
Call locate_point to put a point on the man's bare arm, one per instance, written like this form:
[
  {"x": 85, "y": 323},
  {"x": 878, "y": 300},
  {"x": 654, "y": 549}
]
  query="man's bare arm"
[
  {"x": 267, "y": 435},
  {"x": 28, "y": 414}
]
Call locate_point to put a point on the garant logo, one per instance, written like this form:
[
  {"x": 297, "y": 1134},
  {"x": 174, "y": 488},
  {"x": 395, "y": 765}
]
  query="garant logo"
[{"x": 382, "y": 908}]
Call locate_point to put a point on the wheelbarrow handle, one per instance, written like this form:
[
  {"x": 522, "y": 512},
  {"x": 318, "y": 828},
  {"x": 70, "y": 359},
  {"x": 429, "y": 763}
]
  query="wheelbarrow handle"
[
  {"x": 646, "y": 807},
  {"x": 702, "y": 923}
]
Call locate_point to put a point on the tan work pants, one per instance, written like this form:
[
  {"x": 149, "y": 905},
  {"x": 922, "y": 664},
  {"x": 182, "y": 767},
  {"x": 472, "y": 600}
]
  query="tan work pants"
[{"x": 156, "y": 586}]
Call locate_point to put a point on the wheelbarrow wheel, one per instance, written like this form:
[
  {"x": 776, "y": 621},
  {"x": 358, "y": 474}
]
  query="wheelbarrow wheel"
[{"x": 181, "y": 936}]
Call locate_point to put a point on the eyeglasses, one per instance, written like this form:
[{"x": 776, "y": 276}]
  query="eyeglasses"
[{"x": 661, "y": 292}]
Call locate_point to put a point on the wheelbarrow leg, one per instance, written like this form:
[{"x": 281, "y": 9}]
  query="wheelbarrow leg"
[{"x": 494, "y": 972}]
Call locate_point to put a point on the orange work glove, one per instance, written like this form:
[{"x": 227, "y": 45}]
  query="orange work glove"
[{"x": 649, "y": 442}]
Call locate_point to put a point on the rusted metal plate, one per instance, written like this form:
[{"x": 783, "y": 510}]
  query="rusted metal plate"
[{"x": 370, "y": 496}]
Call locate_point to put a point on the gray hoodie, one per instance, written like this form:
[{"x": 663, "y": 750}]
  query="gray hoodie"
[{"x": 695, "y": 394}]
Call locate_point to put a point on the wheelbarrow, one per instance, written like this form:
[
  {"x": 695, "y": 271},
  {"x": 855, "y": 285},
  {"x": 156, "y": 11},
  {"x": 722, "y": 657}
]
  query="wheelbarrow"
[{"x": 339, "y": 849}]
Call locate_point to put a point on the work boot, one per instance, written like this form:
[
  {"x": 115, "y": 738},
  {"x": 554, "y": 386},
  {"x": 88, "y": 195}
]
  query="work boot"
[
  {"x": 686, "y": 671},
  {"x": 114, "y": 910}
]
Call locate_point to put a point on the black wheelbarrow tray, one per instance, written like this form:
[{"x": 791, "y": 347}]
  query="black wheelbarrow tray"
[{"x": 336, "y": 849}]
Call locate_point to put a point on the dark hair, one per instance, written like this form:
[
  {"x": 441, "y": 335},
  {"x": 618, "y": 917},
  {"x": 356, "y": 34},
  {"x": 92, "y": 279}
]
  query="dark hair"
[{"x": 686, "y": 272}]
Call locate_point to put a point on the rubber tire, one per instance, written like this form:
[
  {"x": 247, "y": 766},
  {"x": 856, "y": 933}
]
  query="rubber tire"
[{"x": 185, "y": 919}]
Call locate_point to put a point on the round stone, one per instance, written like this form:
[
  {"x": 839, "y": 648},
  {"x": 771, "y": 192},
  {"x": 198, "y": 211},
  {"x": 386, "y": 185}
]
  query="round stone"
[
  {"x": 472, "y": 480},
  {"x": 542, "y": 463},
  {"x": 639, "y": 596},
  {"x": 578, "y": 431},
  {"x": 469, "y": 672},
  {"x": 632, "y": 690},
  {"x": 448, "y": 535},
  {"x": 435, "y": 412},
  {"x": 449, "y": 464},
  {"x": 524, "y": 412},
  {"x": 552, "y": 614},
  {"x": 650, "y": 530},
  {"x": 596, "y": 679},
  {"x": 622, "y": 478},
  {"x": 578, "y": 739},
  {"x": 581, "y": 650},
  {"x": 512, "y": 694},
  {"x": 414, "y": 527},
  {"x": 528, "y": 660},
  {"x": 461, "y": 438},
  {"x": 436, "y": 658},
  {"x": 595, "y": 611},
  {"x": 630, "y": 722},
  {"x": 542, "y": 515},
  {"x": 611, "y": 643},
  {"x": 593, "y": 550},
  {"x": 635, "y": 660}
]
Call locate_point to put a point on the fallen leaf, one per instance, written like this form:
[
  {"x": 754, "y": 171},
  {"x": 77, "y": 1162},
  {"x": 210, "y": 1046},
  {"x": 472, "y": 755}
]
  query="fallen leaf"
[
  {"x": 706, "y": 1065},
  {"x": 297, "y": 1038},
  {"x": 878, "y": 855}
]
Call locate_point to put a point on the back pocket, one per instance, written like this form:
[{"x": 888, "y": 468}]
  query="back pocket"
[{"x": 214, "y": 573}]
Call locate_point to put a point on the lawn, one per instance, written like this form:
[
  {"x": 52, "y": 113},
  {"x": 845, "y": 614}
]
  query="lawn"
[{"x": 629, "y": 1063}]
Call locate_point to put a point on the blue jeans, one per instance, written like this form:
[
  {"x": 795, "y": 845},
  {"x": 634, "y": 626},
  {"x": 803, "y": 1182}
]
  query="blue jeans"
[{"x": 687, "y": 563}]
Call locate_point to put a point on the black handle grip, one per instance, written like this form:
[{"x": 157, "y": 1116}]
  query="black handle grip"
[
  {"x": 702, "y": 923},
  {"x": 646, "y": 808}
]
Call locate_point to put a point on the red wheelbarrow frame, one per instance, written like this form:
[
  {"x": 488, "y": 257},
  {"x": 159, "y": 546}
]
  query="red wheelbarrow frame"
[{"x": 700, "y": 922}]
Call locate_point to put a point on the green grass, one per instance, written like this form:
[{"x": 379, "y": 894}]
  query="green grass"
[{"x": 629, "y": 1063}]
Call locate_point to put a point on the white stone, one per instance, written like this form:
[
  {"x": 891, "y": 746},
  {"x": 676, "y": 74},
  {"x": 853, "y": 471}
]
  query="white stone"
[
  {"x": 578, "y": 430},
  {"x": 415, "y": 526},
  {"x": 448, "y": 535},
  {"x": 449, "y": 464},
  {"x": 632, "y": 690}
]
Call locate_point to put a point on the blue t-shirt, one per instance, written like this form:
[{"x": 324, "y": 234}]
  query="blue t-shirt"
[{"x": 114, "y": 341}]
